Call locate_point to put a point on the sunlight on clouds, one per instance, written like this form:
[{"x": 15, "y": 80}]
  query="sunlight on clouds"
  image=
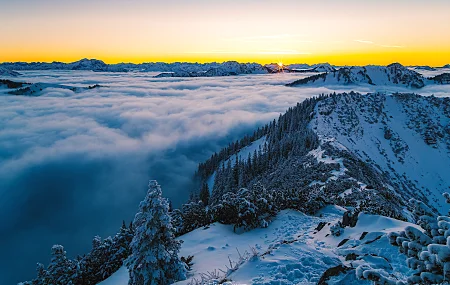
[{"x": 267, "y": 52}]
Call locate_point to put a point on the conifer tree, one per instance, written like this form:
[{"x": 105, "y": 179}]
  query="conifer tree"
[
  {"x": 154, "y": 251},
  {"x": 204, "y": 194},
  {"x": 60, "y": 269}
]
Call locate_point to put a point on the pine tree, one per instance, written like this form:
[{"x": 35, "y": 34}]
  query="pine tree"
[
  {"x": 154, "y": 250},
  {"x": 195, "y": 215},
  {"x": 42, "y": 275},
  {"x": 204, "y": 193},
  {"x": 60, "y": 269}
]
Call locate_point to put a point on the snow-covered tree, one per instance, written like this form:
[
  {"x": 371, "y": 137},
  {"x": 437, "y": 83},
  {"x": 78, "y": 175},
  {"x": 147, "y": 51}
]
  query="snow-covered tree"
[
  {"x": 176, "y": 217},
  {"x": 154, "y": 250},
  {"x": 42, "y": 275},
  {"x": 428, "y": 250},
  {"x": 195, "y": 215},
  {"x": 60, "y": 269}
]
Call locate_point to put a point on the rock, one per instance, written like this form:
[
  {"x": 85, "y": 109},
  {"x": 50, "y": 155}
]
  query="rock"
[
  {"x": 387, "y": 134},
  {"x": 349, "y": 219},
  {"x": 333, "y": 271},
  {"x": 351, "y": 256},
  {"x": 320, "y": 226},
  {"x": 343, "y": 242}
]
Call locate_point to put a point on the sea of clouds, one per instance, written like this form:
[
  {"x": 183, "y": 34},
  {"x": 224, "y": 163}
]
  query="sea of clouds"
[{"x": 74, "y": 165}]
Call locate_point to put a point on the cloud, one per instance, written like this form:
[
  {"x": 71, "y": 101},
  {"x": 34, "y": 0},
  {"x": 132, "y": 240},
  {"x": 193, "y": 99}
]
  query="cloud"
[
  {"x": 267, "y": 52},
  {"x": 380, "y": 45},
  {"x": 275, "y": 37},
  {"x": 391, "y": 46},
  {"x": 364, "y": 41}
]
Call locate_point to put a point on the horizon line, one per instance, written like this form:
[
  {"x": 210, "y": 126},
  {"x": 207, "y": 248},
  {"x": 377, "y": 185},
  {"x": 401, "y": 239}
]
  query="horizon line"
[{"x": 210, "y": 62}]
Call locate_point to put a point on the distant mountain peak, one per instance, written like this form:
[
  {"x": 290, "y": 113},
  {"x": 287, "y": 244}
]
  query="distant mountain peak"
[{"x": 393, "y": 74}]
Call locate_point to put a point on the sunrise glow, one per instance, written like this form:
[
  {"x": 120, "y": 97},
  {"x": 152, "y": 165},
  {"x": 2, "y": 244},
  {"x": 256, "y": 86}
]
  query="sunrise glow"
[{"x": 372, "y": 32}]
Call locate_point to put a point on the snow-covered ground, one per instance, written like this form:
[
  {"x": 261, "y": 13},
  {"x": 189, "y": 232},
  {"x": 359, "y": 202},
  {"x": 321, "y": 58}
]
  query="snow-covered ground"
[{"x": 290, "y": 250}]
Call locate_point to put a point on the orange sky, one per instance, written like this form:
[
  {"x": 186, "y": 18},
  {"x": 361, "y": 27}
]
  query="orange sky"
[{"x": 340, "y": 32}]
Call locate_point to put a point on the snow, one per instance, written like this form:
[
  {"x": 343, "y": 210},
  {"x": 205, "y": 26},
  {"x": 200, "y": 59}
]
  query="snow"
[
  {"x": 393, "y": 75},
  {"x": 425, "y": 166},
  {"x": 320, "y": 157},
  {"x": 290, "y": 251},
  {"x": 120, "y": 277}
]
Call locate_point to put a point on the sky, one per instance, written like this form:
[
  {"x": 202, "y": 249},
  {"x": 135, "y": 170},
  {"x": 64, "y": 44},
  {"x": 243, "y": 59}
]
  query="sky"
[{"x": 346, "y": 32}]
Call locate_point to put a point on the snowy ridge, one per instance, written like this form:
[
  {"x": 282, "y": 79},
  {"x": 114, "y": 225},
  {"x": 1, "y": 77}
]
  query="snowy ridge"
[
  {"x": 83, "y": 64},
  {"x": 406, "y": 136},
  {"x": 225, "y": 69},
  {"x": 393, "y": 74},
  {"x": 8, "y": 73},
  {"x": 292, "y": 250},
  {"x": 35, "y": 89}
]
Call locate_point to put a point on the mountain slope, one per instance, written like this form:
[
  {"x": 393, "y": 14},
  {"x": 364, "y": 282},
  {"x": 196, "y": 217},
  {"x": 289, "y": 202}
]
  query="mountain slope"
[
  {"x": 291, "y": 250},
  {"x": 35, "y": 89},
  {"x": 404, "y": 135},
  {"x": 386, "y": 147},
  {"x": 8, "y": 72},
  {"x": 393, "y": 74}
]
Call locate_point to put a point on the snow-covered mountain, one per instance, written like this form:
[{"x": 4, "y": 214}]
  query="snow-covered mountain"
[
  {"x": 393, "y": 74},
  {"x": 176, "y": 69},
  {"x": 225, "y": 69},
  {"x": 35, "y": 89},
  {"x": 424, "y": 67},
  {"x": 323, "y": 67},
  {"x": 387, "y": 133},
  {"x": 83, "y": 64},
  {"x": 374, "y": 153},
  {"x": 8, "y": 73},
  {"x": 9, "y": 84},
  {"x": 406, "y": 136},
  {"x": 299, "y": 66},
  {"x": 443, "y": 78},
  {"x": 324, "y": 195}
]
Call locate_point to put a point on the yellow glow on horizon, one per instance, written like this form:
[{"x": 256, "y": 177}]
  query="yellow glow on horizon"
[
  {"x": 350, "y": 33},
  {"x": 420, "y": 57}
]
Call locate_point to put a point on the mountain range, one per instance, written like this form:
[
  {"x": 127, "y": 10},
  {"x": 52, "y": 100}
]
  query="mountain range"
[{"x": 181, "y": 69}]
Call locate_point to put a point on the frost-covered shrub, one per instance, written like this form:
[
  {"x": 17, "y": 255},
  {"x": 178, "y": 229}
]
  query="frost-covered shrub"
[
  {"x": 378, "y": 276},
  {"x": 194, "y": 215},
  {"x": 428, "y": 251},
  {"x": 248, "y": 208}
]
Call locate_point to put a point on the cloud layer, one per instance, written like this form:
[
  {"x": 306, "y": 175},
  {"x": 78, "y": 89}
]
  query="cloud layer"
[{"x": 74, "y": 165}]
